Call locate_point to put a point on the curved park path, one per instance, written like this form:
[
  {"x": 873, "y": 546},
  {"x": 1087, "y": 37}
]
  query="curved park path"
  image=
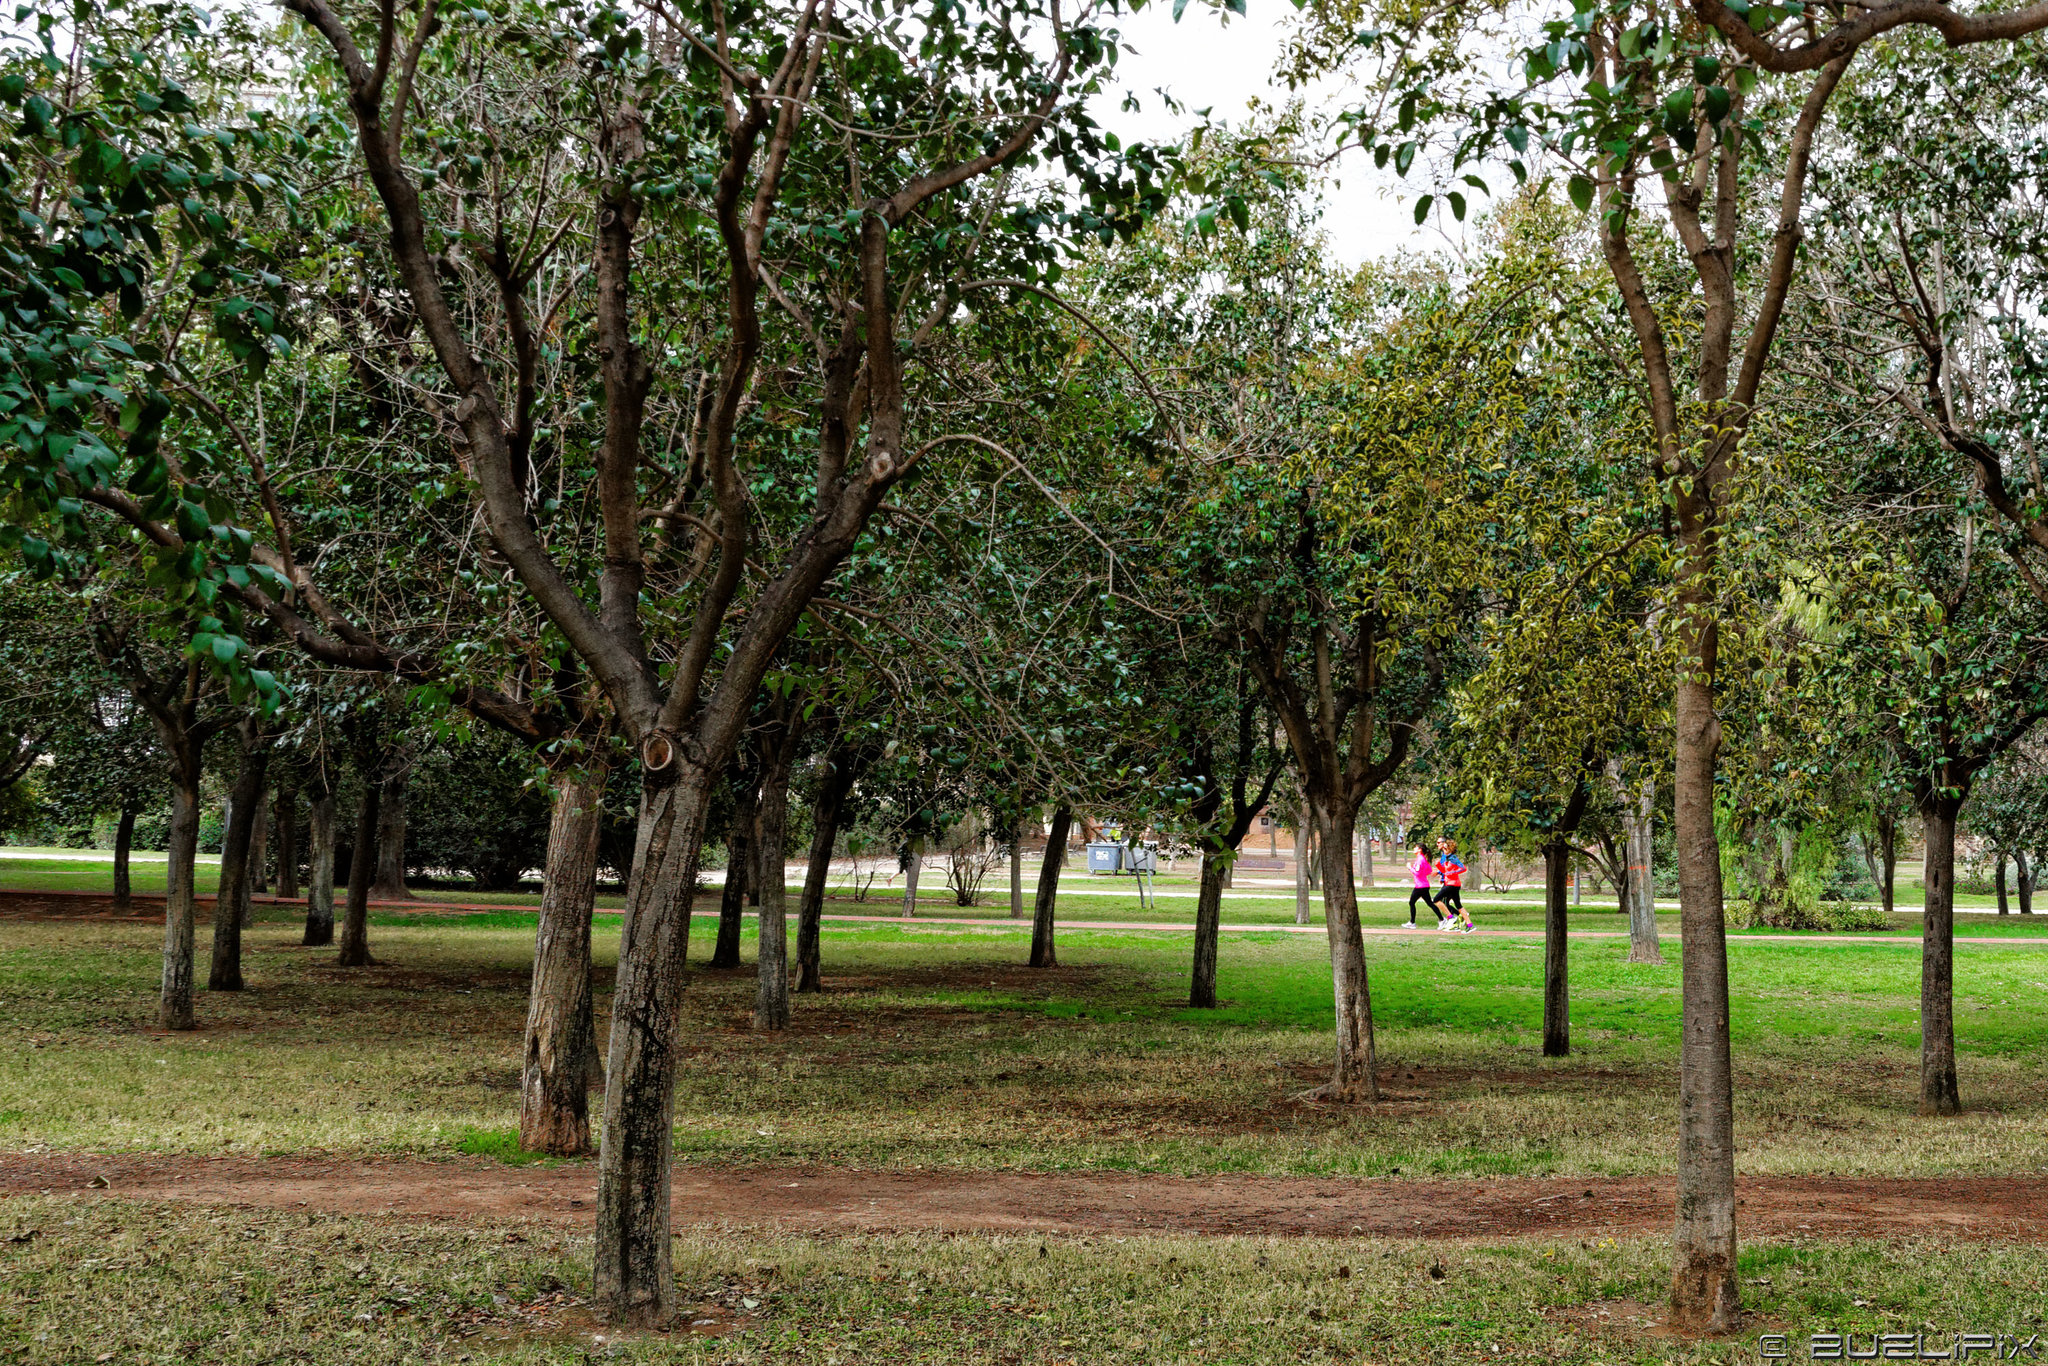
[{"x": 836, "y": 1200}]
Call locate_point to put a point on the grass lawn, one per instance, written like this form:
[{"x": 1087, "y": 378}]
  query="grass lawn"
[{"x": 934, "y": 1048}]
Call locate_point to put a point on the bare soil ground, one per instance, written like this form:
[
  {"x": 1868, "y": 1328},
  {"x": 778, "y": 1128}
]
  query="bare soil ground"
[{"x": 815, "y": 1199}]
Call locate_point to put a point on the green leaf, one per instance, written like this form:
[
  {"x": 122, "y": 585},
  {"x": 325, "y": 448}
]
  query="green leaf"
[
  {"x": 1422, "y": 208},
  {"x": 1581, "y": 191}
]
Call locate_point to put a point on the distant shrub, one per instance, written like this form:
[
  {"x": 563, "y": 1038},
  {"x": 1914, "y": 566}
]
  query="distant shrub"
[{"x": 1828, "y": 918}]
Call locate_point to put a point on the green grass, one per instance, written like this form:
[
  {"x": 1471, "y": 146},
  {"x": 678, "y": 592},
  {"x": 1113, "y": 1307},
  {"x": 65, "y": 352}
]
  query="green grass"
[
  {"x": 935, "y": 1046},
  {"x": 151, "y": 1283},
  {"x": 500, "y": 1145}
]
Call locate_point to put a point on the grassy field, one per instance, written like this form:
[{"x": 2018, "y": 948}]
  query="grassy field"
[
  {"x": 166, "y": 1285},
  {"x": 934, "y": 1048}
]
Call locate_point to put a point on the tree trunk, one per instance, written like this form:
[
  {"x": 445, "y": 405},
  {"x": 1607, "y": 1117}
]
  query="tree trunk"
[
  {"x": 287, "y": 823},
  {"x": 174, "y": 1004},
  {"x": 739, "y": 852},
  {"x": 1998, "y": 881},
  {"x": 1365, "y": 849},
  {"x": 1043, "y": 952},
  {"x": 1208, "y": 925},
  {"x": 1017, "y": 869},
  {"x": 561, "y": 1047},
  {"x": 913, "y": 864},
  {"x": 1640, "y": 818},
  {"x": 1356, "y": 1077},
  {"x": 1704, "y": 1298},
  {"x": 355, "y": 925},
  {"x": 124, "y": 843},
  {"x": 390, "y": 842},
  {"x": 2026, "y": 872},
  {"x": 259, "y": 853},
  {"x": 833, "y": 788},
  {"x": 1301, "y": 856},
  {"x": 633, "y": 1282},
  {"x": 1557, "y": 1024},
  {"x": 1578, "y": 870},
  {"x": 1938, "y": 1091},
  {"x": 771, "y": 957},
  {"x": 320, "y": 872},
  {"x": 237, "y": 862},
  {"x": 1888, "y": 849}
]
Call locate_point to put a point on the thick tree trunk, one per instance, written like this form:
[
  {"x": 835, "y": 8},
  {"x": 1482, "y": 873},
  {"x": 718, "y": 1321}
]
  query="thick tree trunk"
[
  {"x": 259, "y": 853},
  {"x": 561, "y": 1047},
  {"x": 913, "y": 864},
  {"x": 287, "y": 823},
  {"x": 1888, "y": 852},
  {"x": 833, "y": 788},
  {"x": 2026, "y": 872},
  {"x": 771, "y": 958},
  {"x": 634, "y": 1279},
  {"x": 390, "y": 841},
  {"x": 1939, "y": 1094},
  {"x": 320, "y": 872},
  {"x": 237, "y": 863},
  {"x": 1208, "y": 924},
  {"x": 174, "y": 1004},
  {"x": 1557, "y": 1024},
  {"x": 1640, "y": 819},
  {"x": 1044, "y": 953},
  {"x": 1998, "y": 881},
  {"x": 1356, "y": 1076},
  {"x": 732, "y": 898},
  {"x": 355, "y": 925},
  {"x": 124, "y": 844},
  {"x": 1704, "y": 1298}
]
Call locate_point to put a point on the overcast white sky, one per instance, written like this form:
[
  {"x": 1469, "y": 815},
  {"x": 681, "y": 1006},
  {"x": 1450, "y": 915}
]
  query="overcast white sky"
[{"x": 1205, "y": 61}]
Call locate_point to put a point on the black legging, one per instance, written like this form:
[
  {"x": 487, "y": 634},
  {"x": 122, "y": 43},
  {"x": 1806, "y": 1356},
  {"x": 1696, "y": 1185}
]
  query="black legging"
[
  {"x": 1427, "y": 900},
  {"x": 1449, "y": 896}
]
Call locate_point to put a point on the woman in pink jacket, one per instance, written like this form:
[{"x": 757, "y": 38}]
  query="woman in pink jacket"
[{"x": 1420, "y": 871}]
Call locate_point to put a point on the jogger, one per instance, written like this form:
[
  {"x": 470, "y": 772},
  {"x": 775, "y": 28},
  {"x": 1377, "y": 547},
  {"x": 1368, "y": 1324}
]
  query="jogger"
[
  {"x": 1450, "y": 901},
  {"x": 1420, "y": 871}
]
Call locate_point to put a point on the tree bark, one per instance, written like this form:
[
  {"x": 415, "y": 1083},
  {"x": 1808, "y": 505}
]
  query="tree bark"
[
  {"x": 1998, "y": 881},
  {"x": 355, "y": 925},
  {"x": 842, "y": 769},
  {"x": 1557, "y": 1024},
  {"x": 174, "y": 1003},
  {"x": 237, "y": 862},
  {"x": 1356, "y": 1076},
  {"x": 259, "y": 853},
  {"x": 1301, "y": 857},
  {"x": 739, "y": 852},
  {"x": 2026, "y": 877},
  {"x": 634, "y": 1280},
  {"x": 913, "y": 864},
  {"x": 1044, "y": 954},
  {"x": 1365, "y": 851},
  {"x": 1888, "y": 850},
  {"x": 1704, "y": 1297},
  {"x": 1640, "y": 816},
  {"x": 771, "y": 821},
  {"x": 1017, "y": 869},
  {"x": 390, "y": 841},
  {"x": 124, "y": 843},
  {"x": 561, "y": 1045},
  {"x": 1939, "y": 1094},
  {"x": 287, "y": 823},
  {"x": 320, "y": 870},
  {"x": 1208, "y": 927}
]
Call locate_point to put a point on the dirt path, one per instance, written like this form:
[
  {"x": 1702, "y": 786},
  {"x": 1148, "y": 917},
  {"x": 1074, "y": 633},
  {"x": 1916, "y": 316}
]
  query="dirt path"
[
  {"x": 834, "y": 1200},
  {"x": 60, "y": 905}
]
